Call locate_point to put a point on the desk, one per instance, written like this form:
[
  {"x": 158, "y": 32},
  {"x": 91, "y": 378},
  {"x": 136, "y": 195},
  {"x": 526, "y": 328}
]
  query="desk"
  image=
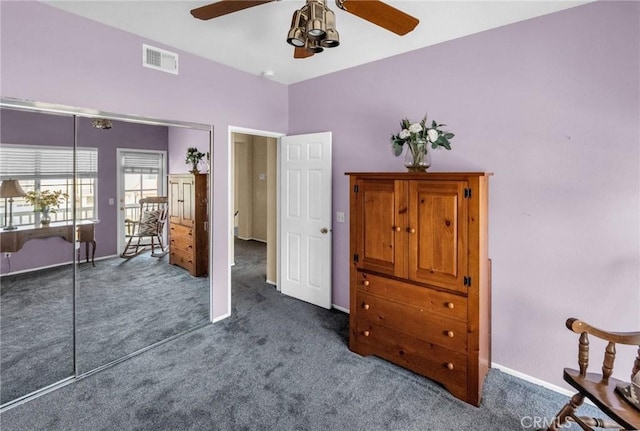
[{"x": 13, "y": 240}]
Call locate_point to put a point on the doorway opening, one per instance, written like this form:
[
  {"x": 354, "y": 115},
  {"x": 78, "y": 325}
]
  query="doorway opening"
[
  {"x": 297, "y": 184},
  {"x": 254, "y": 201}
]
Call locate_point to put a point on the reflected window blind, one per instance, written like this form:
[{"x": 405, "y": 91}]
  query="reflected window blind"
[
  {"x": 142, "y": 163},
  {"x": 34, "y": 161}
]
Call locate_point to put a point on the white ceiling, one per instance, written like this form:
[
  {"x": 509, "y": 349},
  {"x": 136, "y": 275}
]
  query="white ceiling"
[{"x": 253, "y": 40}]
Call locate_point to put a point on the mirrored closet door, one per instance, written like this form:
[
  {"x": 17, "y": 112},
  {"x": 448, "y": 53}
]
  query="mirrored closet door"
[
  {"x": 36, "y": 306},
  {"x": 64, "y": 280}
]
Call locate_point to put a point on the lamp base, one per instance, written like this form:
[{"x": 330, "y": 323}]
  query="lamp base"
[{"x": 10, "y": 227}]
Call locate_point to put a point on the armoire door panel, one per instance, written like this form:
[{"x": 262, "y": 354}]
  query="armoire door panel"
[
  {"x": 175, "y": 209},
  {"x": 187, "y": 203},
  {"x": 438, "y": 233},
  {"x": 380, "y": 233}
]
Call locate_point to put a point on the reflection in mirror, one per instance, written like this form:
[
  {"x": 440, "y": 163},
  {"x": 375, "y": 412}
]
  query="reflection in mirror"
[
  {"x": 133, "y": 297},
  {"x": 36, "y": 303},
  {"x": 111, "y": 306}
]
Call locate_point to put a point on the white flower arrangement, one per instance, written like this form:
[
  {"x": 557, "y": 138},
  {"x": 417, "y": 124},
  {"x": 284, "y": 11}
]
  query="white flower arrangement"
[{"x": 418, "y": 135}]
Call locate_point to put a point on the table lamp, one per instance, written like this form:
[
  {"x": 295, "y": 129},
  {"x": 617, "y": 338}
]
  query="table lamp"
[{"x": 11, "y": 189}]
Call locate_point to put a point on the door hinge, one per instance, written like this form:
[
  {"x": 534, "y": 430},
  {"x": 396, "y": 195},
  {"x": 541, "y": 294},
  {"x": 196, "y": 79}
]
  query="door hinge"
[
  {"x": 356, "y": 258},
  {"x": 467, "y": 193},
  {"x": 467, "y": 281},
  {"x": 356, "y": 188}
]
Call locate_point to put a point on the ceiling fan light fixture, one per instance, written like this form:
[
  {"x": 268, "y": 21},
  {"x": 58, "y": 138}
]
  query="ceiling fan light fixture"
[
  {"x": 316, "y": 19},
  {"x": 101, "y": 123},
  {"x": 313, "y": 46},
  {"x": 332, "y": 38},
  {"x": 296, "y": 36}
]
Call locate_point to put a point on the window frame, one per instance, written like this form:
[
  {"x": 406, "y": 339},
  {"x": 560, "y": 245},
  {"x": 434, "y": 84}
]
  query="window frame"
[{"x": 77, "y": 169}]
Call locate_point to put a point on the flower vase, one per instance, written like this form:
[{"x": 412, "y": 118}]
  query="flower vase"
[
  {"x": 417, "y": 157},
  {"x": 45, "y": 218},
  {"x": 194, "y": 168}
]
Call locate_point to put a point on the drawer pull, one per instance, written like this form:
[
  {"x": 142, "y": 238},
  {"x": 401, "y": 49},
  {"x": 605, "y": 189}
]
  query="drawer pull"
[
  {"x": 365, "y": 306},
  {"x": 412, "y": 230},
  {"x": 366, "y": 282},
  {"x": 450, "y": 334},
  {"x": 450, "y": 365},
  {"x": 450, "y": 305},
  {"x": 365, "y": 333},
  {"x": 397, "y": 228}
]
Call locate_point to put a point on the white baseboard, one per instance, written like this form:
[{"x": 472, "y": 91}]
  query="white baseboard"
[
  {"x": 536, "y": 381},
  {"x": 219, "y": 318},
  {"x": 55, "y": 265},
  {"x": 251, "y": 239},
  {"x": 337, "y": 307},
  {"x": 273, "y": 283}
]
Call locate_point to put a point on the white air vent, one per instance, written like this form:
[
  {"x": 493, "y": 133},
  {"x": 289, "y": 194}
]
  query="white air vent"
[{"x": 159, "y": 59}]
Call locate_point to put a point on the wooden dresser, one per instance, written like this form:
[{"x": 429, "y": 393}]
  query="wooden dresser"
[
  {"x": 420, "y": 277},
  {"x": 188, "y": 222}
]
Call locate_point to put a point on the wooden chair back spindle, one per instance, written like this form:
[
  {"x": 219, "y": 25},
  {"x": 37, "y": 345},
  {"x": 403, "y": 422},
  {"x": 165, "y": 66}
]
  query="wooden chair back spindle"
[
  {"x": 583, "y": 353},
  {"x": 607, "y": 363}
]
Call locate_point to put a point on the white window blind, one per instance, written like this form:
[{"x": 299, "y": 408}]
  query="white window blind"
[
  {"x": 142, "y": 163},
  {"x": 34, "y": 161}
]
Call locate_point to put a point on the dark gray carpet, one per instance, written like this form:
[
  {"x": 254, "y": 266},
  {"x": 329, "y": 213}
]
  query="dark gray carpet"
[
  {"x": 122, "y": 306},
  {"x": 276, "y": 364}
]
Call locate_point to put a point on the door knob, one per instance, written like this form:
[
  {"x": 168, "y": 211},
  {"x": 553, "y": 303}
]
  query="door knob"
[{"x": 324, "y": 230}]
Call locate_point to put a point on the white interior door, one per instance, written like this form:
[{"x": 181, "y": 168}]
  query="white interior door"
[{"x": 305, "y": 218}]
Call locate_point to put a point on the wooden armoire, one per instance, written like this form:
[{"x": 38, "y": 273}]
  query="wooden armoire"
[
  {"x": 188, "y": 222},
  {"x": 420, "y": 277}
]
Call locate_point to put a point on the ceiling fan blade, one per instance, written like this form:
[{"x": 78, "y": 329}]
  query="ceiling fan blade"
[
  {"x": 380, "y": 14},
  {"x": 224, "y": 7},
  {"x": 300, "y": 52}
]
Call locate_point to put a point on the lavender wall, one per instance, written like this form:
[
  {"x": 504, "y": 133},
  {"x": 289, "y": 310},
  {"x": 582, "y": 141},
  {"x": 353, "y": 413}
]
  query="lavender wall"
[
  {"x": 551, "y": 106},
  {"x": 53, "y": 56},
  {"x": 180, "y": 139},
  {"x": 28, "y": 128}
]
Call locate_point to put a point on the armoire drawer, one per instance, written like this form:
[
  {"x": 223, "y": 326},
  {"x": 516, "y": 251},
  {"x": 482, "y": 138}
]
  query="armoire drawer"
[
  {"x": 185, "y": 260},
  {"x": 433, "y": 301},
  {"x": 428, "y": 359},
  {"x": 181, "y": 244},
  {"x": 179, "y": 230},
  {"x": 412, "y": 320}
]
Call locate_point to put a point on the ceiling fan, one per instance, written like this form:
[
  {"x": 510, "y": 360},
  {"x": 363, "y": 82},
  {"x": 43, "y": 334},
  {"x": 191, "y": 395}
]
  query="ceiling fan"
[{"x": 313, "y": 27}]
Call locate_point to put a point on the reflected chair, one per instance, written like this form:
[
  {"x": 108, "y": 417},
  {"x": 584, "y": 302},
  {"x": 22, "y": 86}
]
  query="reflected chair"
[
  {"x": 148, "y": 230},
  {"x": 606, "y": 392}
]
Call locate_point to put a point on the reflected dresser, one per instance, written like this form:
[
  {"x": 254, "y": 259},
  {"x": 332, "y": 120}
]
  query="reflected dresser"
[{"x": 188, "y": 222}]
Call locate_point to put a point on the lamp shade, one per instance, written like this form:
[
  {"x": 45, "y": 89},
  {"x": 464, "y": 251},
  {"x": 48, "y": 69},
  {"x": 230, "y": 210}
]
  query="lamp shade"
[{"x": 11, "y": 189}]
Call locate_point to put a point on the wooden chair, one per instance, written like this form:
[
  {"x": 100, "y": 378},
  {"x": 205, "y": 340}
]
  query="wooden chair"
[
  {"x": 599, "y": 388},
  {"x": 148, "y": 230}
]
